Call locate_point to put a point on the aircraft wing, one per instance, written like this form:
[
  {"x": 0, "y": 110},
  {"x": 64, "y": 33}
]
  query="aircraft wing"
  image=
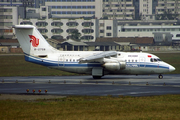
[{"x": 98, "y": 57}]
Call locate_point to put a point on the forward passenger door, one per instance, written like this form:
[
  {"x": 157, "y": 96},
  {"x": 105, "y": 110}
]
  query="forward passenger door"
[{"x": 142, "y": 61}]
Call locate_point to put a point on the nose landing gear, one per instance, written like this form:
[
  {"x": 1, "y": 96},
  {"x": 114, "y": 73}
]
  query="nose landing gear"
[{"x": 160, "y": 76}]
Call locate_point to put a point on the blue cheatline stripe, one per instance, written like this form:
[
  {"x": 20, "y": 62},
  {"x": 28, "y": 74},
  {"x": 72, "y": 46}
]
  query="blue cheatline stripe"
[
  {"x": 49, "y": 63},
  {"x": 156, "y": 66},
  {"x": 146, "y": 64},
  {"x": 40, "y": 61}
]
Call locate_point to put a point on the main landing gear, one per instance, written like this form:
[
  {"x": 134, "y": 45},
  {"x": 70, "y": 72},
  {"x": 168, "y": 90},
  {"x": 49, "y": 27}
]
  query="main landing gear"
[
  {"x": 97, "y": 77},
  {"x": 160, "y": 76}
]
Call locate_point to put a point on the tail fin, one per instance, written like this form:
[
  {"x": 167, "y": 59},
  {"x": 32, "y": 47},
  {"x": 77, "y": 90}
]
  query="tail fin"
[{"x": 31, "y": 40}]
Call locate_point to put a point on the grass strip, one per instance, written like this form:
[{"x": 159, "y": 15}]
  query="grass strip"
[
  {"x": 164, "y": 107},
  {"x": 17, "y": 66}
]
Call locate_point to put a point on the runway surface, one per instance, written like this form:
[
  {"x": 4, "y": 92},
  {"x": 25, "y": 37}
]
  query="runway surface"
[{"x": 127, "y": 85}]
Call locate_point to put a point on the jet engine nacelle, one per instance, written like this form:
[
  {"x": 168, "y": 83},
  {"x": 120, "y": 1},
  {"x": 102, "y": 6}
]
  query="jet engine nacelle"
[{"x": 115, "y": 66}]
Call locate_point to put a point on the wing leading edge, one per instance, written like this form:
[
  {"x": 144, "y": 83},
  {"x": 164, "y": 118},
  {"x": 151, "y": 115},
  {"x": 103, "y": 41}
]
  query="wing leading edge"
[{"x": 98, "y": 57}]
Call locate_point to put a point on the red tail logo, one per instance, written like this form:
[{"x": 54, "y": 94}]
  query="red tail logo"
[{"x": 34, "y": 41}]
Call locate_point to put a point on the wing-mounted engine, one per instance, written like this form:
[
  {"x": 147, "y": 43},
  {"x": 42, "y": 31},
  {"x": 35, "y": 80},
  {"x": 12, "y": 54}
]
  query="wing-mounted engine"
[
  {"x": 98, "y": 72},
  {"x": 108, "y": 61},
  {"x": 114, "y": 65}
]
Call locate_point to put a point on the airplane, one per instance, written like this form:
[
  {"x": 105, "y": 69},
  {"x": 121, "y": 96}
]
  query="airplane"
[{"x": 96, "y": 63}]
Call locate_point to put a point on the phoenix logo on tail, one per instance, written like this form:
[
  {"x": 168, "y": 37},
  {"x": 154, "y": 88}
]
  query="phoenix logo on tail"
[{"x": 34, "y": 41}]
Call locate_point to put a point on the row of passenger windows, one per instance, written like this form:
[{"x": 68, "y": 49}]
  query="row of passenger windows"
[
  {"x": 72, "y": 60},
  {"x": 77, "y": 60},
  {"x": 152, "y": 60},
  {"x": 68, "y": 55},
  {"x": 131, "y": 60},
  {"x": 69, "y": 60}
]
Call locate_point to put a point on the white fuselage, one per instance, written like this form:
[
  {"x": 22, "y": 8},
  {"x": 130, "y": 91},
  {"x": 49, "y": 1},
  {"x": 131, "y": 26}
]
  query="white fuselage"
[{"x": 135, "y": 63}]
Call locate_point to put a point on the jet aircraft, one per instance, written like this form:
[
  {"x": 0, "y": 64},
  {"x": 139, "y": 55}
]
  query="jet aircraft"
[{"x": 96, "y": 63}]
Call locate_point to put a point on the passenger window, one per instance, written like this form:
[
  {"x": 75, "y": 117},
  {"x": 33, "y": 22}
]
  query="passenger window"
[
  {"x": 136, "y": 60},
  {"x": 128, "y": 60},
  {"x": 132, "y": 60}
]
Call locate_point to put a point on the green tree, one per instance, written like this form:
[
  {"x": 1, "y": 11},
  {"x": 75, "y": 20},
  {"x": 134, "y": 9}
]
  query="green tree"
[
  {"x": 167, "y": 15},
  {"x": 139, "y": 16},
  {"x": 45, "y": 36},
  {"x": 105, "y": 18},
  {"x": 75, "y": 35},
  {"x": 2, "y": 37}
]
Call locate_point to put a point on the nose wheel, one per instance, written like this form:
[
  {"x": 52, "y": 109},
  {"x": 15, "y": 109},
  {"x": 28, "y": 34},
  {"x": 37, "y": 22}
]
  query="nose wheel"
[{"x": 160, "y": 76}]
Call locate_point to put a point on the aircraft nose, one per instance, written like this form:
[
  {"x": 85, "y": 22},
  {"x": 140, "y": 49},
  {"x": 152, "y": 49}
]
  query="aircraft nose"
[{"x": 171, "y": 68}]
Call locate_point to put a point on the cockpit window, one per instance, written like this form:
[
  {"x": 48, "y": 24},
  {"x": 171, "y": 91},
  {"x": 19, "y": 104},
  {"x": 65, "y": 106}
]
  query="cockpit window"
[
  {"x": 152, "y": 60},
  {"x": 155, "y": 59},
  {"x": 159, "y": 60}
]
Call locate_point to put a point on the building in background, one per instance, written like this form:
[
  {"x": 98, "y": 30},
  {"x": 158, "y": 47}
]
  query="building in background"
[
  {"x": 22, "y": 5},
  {"x": 165, "y": 33},
  {"x": 107, "y": 9},
  {"x": 38, "y": 13},
  {"x": 62, "y": 28},
  {"x": 136, "y": 10},
  {"x": 107, "y": 28},
  {"x": 90, "y": 29},
  {"x": 8, "y": 17},
  {"x": 169, "y": 8},
  {"x": 118, "y": 9},
  {"x": 92, "y": 18},
  {"x": 163, "y": 38},
  {"x": 17, "y": 3},
  {"x": 75, "y": 8},
  {"x": 147, "y": 9}
]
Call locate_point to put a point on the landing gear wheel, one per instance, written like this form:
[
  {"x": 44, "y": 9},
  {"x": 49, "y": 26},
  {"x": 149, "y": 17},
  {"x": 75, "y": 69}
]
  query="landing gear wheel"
[
  {"x": 160, "y": 77},
  {"x": 97, "y": 77}
]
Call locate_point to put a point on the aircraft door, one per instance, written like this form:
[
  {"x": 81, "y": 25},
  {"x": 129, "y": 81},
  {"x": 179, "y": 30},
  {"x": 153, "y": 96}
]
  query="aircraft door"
[
  {"x": 61, "y": 61},
  {"x": 158, "y": 64},
  {"x": 142, "y": 61}
]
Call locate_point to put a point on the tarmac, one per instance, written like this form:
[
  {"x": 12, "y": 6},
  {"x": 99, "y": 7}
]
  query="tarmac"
[{"x": 115, "y": 85}]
